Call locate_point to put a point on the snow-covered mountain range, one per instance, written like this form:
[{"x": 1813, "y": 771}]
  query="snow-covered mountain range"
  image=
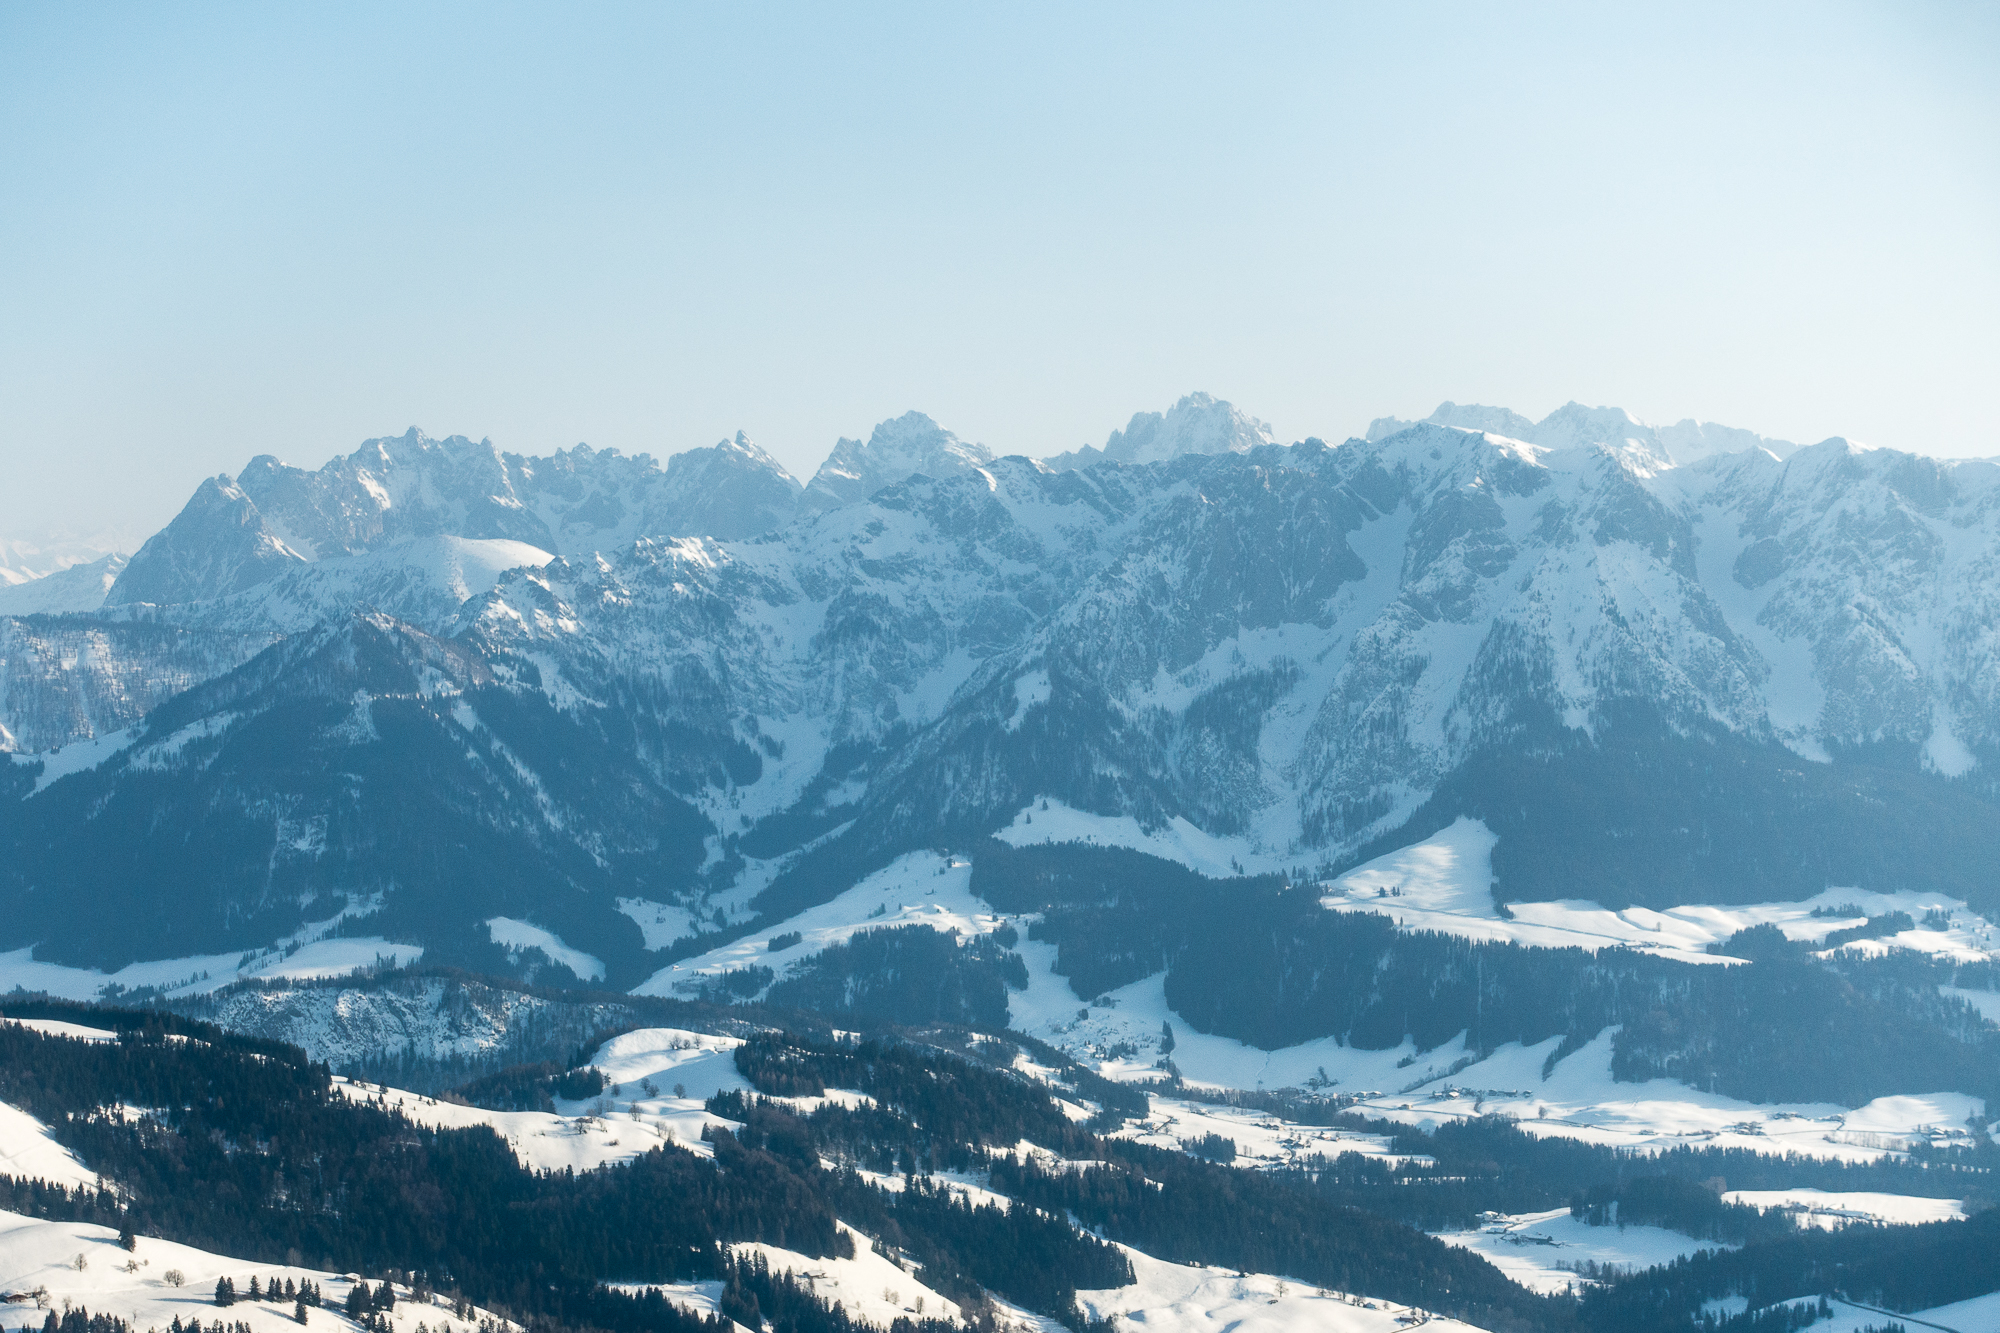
[{"x": 433, "y": 684}]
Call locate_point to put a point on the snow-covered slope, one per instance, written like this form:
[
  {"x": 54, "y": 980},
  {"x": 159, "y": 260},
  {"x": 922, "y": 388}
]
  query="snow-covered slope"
[
  {"x": 1542, "y": 1251},
  {"x": 161, "y": 1281},
  {"x": 1196, "y": 1298},
  {"x": 29, "y": 1152},
  {"x": 76, "y": 588},
  {"x": 422, "y": 580},
  {"x": 1464, "y": 416}
]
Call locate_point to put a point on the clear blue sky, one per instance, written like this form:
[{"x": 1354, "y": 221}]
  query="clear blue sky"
[{"x": 230, "y": 230}]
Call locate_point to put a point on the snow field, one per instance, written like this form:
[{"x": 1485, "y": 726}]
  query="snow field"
[
  {"x": 627, "y": 1121},
  {"x": 1581, "y": 1100},
  {"x": 1050, "y": 820},
  {"x": 516, "y": 936},
  {"x": 36, "y": 1254},
  {"x": 56, "y": 1028},
  {"x": 1183, "y": 1298},
  {"x": 1542, "y": 1250},
  {"x": 1261, "y": 1140},
  {"x": 29, "y": 1152},
  {"x": 662, "y": 924},
  {"x": 1444, "y": 883},
  {"x": 920, "y": 889},
  {"x": 1830, "y": 1210},
  {"x": 867, "y": 1286},
  {"x": 199, "y": 974}
]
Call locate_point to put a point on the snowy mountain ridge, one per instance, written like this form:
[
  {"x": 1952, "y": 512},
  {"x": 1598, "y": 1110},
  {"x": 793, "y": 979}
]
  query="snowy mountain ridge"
[
  {"x": 1625, "y": 667},
  {"x": 1574, "y": 425}
]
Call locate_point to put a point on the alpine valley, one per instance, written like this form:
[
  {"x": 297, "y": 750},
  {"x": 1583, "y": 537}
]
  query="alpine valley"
[{"x": 1195, "y": 882}]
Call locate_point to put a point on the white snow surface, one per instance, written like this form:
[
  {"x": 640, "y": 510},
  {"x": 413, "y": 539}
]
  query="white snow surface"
[
  {"x": 79, "y": 756},
  {"x": 1981, "y": 1314},
  {"x": 662, "y": 924},
  {"x": 1178, "y": 840},
  {"x": 515, "y": 936},
  {"x": 422, "y": 580},
  {"x": 1261, "y": 1140},
  {"x": 1191, "y": 1298},
  {"x": 57, "y": 1028},
  {"x": 1444, "y": 883},
  {"x": 868, "y": 1286},
  {"x": 1541, "y": 1250},
  {"x": 700, "y": 1061},
  {"x": 921, "y": 888},
  {"x": 34, "y": 1253},
  {"x": 614, "y": 1127},
  {"x": 1579, "y": 1099},
  {"x": 29, "y": 1152},
  {"x": 78, "y": 588},
  {"x": 201, "y": 973},
  {"x": 1830, "y": 1210}
]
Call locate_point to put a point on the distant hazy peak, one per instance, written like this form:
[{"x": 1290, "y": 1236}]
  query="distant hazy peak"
[
  {"x": 1574, "y": 425},
  {"x": 1687, "y": 440},
  {"x": 897, "y": 449},
  {"x": 741, "y": 451},
  {"x": 1198, "y": 424},
  {"x": 1465, "y": 416},
  {"x": 72, "y": 589}
]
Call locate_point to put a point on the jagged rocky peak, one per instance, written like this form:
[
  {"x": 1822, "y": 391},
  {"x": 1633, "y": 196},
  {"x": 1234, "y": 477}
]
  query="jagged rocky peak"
[
  {"x": 218, "y": 544},
  {"x": 390, "y": 488},
  {"x": 729, "y": 490},
  {"x": 897, "y": 449},
  {"x": 1198, "y": 424},
  {"x": 414, "y": 488}
]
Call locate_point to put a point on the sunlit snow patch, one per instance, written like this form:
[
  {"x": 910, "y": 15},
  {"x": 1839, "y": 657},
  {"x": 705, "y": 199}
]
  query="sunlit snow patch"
[
  {"x": 1579, "y": 1099},
  {"x": 1177, "y": 840},
  {"x": 57, "y": 1028},
  {"x": 516, "y": 936},
  {"x": 628, "y": 1120},
  {"x": 135, "y": 1287},
  {"x": 29, "y": 1152},
  {"x": 201, "y": 973},
  {"x": 1830, "y": 1210},
  {"x": 1183, "y": 1298},
  {"x": 1541, "y": 1251},
  {"x": 921, "y": 889},
  {"x": 1444, "y": 883},
  {"x": 868, "y": 1287},
  {"x": 661, "y": 924},
  {"x": 79, "y": 756}
]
